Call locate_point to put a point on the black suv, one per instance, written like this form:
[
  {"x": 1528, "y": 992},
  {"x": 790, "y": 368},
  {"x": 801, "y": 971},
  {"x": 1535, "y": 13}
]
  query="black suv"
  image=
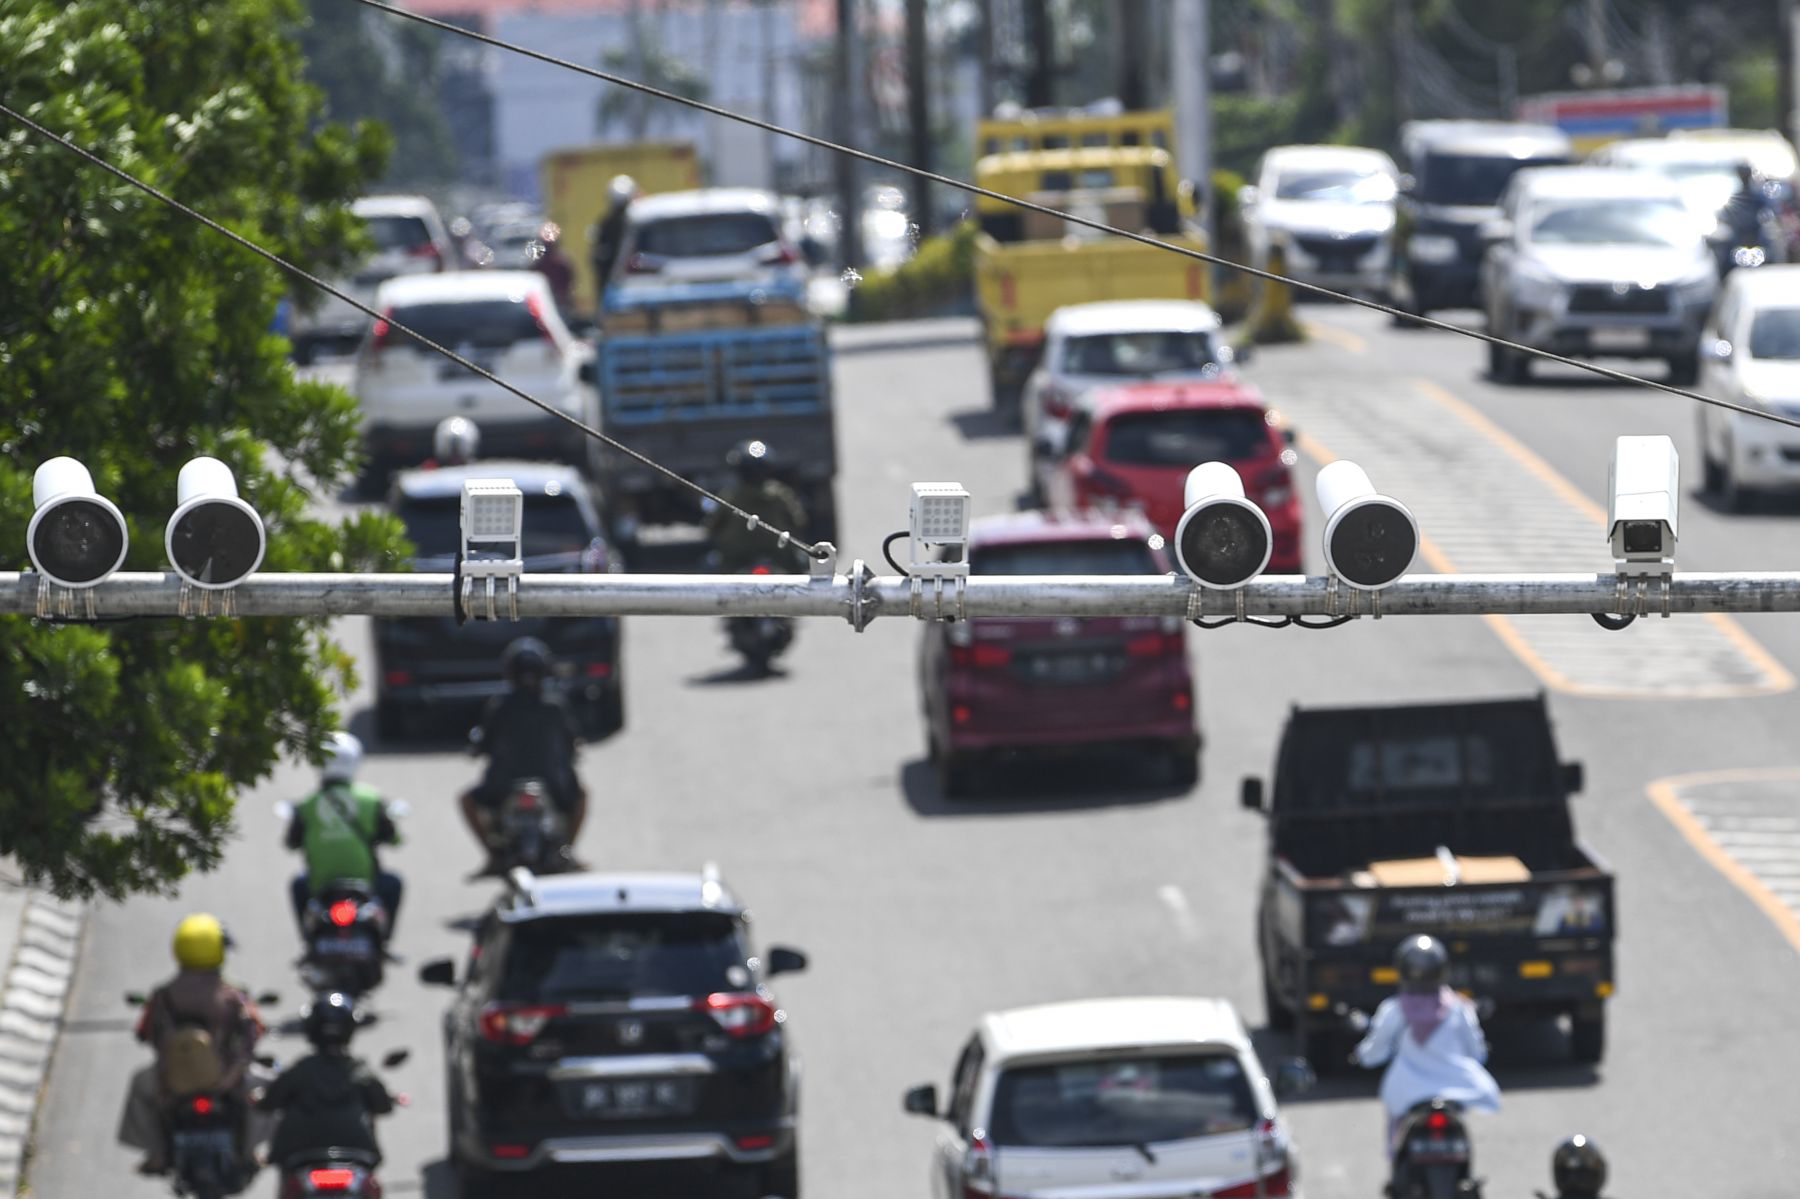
[
  {"x": 429, "y": 662},
  {"x": 620, "y": 1020}
]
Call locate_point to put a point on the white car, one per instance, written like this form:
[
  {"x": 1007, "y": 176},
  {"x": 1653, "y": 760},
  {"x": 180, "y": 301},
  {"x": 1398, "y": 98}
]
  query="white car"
[
  {"x": 410, "y": 239},
  {"x": 729, "y": 235},
  {"x": 1110, "y": 342},
  {"x": 1109, "y": 1099},
  {"x": 1589, "y": 263},
  {"x": 1750, "y": 355},
  {"x": 504, "y": 321},
  {"x": 1331, "y": 211},
  {"x": 1704, "y": 169}
]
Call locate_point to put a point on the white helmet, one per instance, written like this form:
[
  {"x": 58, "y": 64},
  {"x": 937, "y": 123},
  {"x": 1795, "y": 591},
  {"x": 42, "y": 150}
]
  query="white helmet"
[
  {"x": 343, "y": 757},
  {"x": 622, "y": 190},
  {"x": 456, "y": 441}
]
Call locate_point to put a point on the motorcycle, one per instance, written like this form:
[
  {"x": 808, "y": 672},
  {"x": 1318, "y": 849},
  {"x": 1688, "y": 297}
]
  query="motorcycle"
[
  {"x": 759, "y": 640},
  {"x": 343, "y": 1173},
  {"x": 1746, "y": 240},
  {"x": 346, "y": 936},
  {"x": 532, "y": 832},
  {"x": 1434, "y": 1157}
]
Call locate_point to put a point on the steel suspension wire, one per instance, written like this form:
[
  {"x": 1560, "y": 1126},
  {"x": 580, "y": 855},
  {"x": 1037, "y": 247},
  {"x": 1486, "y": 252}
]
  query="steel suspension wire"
[
  {"x": 976, "y": 189},
  {"x": 812, "y": 550}
]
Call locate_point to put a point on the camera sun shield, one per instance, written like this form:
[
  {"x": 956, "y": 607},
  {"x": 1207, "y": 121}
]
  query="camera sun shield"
[
  {"x": 1644, "y": 486},
  {"x": 1223, "y": 541},
  {"x": 76, "y": 537},
  {"x": 214, "y": 539},
  {"x": 1370, "y": 539}
]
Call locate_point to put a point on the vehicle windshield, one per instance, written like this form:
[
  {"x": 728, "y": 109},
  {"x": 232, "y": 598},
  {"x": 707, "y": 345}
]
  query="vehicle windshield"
[
  {"x": 1467, "y": 180},
  {"x": 1612, "y": 221},
  {"x": 1124, "y": 556},
  {"x": 710, "y": 235},
  {"x": 1127, "y": 1100},
  {"x": 1339, "y": 185},
  {"x": 398, "y": 232},
  {"x": 554, "y": 524},
  {"x": 484, "y": 324},
  {"x": 624, "y": 956},
  {"x": 1139, "y": 353},
  {"x": 1775, "y": 334},
  {"x": 1184, "y": 437}
]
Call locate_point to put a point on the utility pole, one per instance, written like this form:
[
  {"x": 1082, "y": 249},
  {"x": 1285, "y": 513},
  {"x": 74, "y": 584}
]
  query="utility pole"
[
  {"x": 918, "y": 115},
  {"x": 847, "y": 85},
  {"x": 1403, "y": 65},
  {"x": 1131, "y": 79},
  {"x": 986, "y": 45},
  {"x": 1040, "y": 77},
  {"x": 1190, "y": 86},
  {"x": 769, "y": 112},
  {"x": 1790, "y": 66},
  {"x": 1596, "y": 39}
]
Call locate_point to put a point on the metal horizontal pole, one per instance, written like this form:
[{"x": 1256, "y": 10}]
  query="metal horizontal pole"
[{"x": 847, "y": 596}]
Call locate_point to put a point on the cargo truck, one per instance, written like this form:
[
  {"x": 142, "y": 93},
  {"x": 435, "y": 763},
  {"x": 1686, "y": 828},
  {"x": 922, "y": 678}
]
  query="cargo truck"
[{"x": 574, "y": 183}]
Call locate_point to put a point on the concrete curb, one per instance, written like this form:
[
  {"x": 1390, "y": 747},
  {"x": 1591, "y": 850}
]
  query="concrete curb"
[
  {"x": 902, "y": 335},
  {"x": 46, "y": 945}
]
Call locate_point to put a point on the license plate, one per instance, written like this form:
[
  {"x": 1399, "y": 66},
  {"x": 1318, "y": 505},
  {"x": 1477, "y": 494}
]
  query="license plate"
[
  {"x": 1070, "y": 668},
  {"x": 1619, "y": 339},
  {"x": 345, "y": 947},
  {"x": 631, "y": 1098},
  {"x": 205, "y": 1141}
]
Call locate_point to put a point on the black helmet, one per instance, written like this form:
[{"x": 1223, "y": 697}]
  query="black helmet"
[
  {"x": 1578, "y": 1168},
  {"x": 527, "y": 662},
  {"x": 751, "y": 460},
  {"x": 331, "y": 1021},
  {"x": 1423, "y": 964}
]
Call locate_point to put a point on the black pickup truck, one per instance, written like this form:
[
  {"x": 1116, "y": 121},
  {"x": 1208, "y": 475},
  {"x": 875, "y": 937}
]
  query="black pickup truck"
[{"x": 1449, "y": 819}]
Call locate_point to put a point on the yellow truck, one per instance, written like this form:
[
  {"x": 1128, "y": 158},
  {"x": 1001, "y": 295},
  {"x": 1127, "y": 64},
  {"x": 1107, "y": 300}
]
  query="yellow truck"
[
  {"x": 1117, "y": 169},
  {"x": 574, "y": 188}
]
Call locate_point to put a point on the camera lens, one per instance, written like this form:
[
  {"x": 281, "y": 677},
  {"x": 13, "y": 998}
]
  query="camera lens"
[
  {"x": 78, "y": 542},
  {"x": 215, "y": 543},
  {"x": 1223, "y": 545},
  {"x": 1373, "y": 544},
  {"x": 1643, "y": 537}
]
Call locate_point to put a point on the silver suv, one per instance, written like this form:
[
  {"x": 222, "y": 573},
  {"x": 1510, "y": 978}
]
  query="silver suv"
[{"x": 1592, "y": 262}]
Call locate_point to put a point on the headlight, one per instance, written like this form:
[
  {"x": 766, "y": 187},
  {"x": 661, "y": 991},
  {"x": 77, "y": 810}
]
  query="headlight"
[
  {"x": 1698, "y": 289},
  {"x": 1431, "y": 247}
]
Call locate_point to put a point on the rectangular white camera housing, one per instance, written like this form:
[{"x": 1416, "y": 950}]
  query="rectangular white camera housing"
[
  {"x": 493, "y": 528},
  {"x": 939, "y": 519},
  {"x": 1644, "y": 486}
]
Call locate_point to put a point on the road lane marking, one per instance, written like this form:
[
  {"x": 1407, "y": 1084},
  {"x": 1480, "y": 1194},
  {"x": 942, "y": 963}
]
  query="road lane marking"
[
  {"x": 1492, "y": 505},
  {"x": 1180, "y": 911},
  {"x": 1343, "y": 339},
  {"x": 1685, "y": 800}
]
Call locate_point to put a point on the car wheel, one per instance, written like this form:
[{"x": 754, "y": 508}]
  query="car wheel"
[
  {"x": 1587, "y": 1038},
  {"x": 1733, "y": 494},
  {"x": 1277, "y": 1014},
  {"x": 781, "y": 1177},
  {"x": 955, "y": 772},
  {"x": 393, "y": 723},
  {"x": 1712, "y": 471},
  {"x": 1684, "y": 370},
  {"x": 1183, "y": 768}
]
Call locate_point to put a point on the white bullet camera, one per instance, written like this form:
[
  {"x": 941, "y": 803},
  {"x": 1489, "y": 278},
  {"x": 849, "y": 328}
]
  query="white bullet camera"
[
  {"x": 1223, "y": 540},
  {"x": 939, "y": 519},
  {"x": 493, "y": 529},
  {"x": 1644, "y": 483},
  {"x": 76, "y": 537},
  {"x": 1370, "y": 539},
  {"x": 214, "y": 539}
]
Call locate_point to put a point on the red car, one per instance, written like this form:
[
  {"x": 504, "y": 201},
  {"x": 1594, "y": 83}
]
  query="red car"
[
  {"x": 993, "y": 684},
  {"x": 1136, "y": 445}
]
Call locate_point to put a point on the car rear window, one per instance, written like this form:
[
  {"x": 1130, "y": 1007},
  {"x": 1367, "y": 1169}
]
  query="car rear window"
[
  {"x": 554, "y": 524},
  {"x": 1471, "y": 179},
  {"x": 1187, "y": 437},
  {"x": 623, "y": 956},
  {"x": 1128, "y": 1100},
  {"x": 1775, "y": 333},
  {"x": 1139, "y": 353},
  {"x": 714, "y": 234},
  {"x": 398, "y": 232},
  {"x": 487, "y": 324},
  {"x": 1125, "y": 556}
]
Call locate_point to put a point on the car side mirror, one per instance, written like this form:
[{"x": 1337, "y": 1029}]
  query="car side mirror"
[
  {"x": 1493, "y": 232},
  {"x": 268, "y": 998},
  {"x": 1294, "y": 1076},
  {"x": 588, "y": 372},
  {"x": 922, "y": 1101},
  {"x": 439, "y": 972},
  {"x": 783, "y": 960},
  {"x": 1252, "y": 795},
  {"x": 395, "y": 1057},
  {"x": 1573, "y": 777},
  {"x": 1717, "y": 349},
  {"x": 1247, "y": 197},
  {"x": 1243, "y": 353}
]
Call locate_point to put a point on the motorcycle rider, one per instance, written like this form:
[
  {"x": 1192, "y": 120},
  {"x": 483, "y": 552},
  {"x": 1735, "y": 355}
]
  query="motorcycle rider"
[
  {"x": 756, "y": 490},
  {"x": 1578, "y": 1169},
  {"x": 609, "y": 233},
  {"x": 197, "y": 999},
  {"x": 527, "y": 733},
  {"x": 1744, "y": 214},
  {"x": 1431, "y": 1035},
  {"x": 328, "y": 1099},
  {"x": 338, "y": 827}
]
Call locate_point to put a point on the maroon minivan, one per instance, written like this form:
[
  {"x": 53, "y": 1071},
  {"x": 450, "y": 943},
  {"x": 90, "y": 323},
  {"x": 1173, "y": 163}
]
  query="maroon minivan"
[{"x": 1043, "y": 684}]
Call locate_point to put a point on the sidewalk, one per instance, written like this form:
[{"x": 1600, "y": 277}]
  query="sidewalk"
[{"x": 40, "y": 939}]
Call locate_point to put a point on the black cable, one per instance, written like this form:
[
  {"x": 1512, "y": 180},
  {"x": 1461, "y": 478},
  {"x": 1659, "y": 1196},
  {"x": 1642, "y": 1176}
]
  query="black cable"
[
  {"x": 974, "y": 189},
  {"x": 1328, "y": 623},
  {"x": 886, "y": 553},
  {"x": 1610, "y": 622},
  {"x": 1279, "y": 622},
  {"x": 810, "y": 549}
]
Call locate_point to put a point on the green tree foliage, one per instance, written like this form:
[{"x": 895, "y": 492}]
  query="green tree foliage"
[{"x": 133, "y": 339}]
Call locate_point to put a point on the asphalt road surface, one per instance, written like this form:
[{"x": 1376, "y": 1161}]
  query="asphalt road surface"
[{"x": 811, "y": 792}]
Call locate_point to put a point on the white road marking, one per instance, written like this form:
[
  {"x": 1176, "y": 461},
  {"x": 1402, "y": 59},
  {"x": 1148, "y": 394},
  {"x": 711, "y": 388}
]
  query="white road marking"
[{"x": 1176, "y": 901}]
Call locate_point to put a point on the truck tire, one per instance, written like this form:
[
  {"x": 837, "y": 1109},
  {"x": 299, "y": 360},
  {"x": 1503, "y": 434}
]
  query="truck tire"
[
  {"x": 1276, "y": 1014},
  {"x": 1587, "y": 1038}
]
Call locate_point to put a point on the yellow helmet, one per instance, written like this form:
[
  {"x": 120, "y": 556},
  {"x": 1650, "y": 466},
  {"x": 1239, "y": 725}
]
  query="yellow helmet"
[{"x": 200, "y": 942}]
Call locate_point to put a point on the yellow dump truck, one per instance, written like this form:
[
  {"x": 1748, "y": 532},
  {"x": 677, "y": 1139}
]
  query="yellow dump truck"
[
  {"x": 1118, "y": 169},
  {"x": 574, "y": 187}
]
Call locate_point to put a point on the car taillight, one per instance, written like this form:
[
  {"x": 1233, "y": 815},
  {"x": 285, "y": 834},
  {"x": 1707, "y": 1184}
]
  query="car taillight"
[
  {"x": 1156, "y": 645},
  {"x": 517, "y": 1023},
  {"x": 1274, "y": 1186},
  {"x": 778, "y": 255},
  {"x": 1056, "y": 402},
  {"x": 536, "y": 308},
  {"x": 981, "y": 656},
  {"x": 761, "y": 569},
  {"x": 525, "y": 801},
  {"x": 331, "y": 1179},
  {"x": 343, "y": 913},
  {"x": 428, "y": 250},
  {"x": 739, "y": 1013},
  {"x": 383, "y": 330},
  {"x": 643, "y": 264},
  {"x": 201, "y": 1105},
  {"x": 1274, "y": 487}
]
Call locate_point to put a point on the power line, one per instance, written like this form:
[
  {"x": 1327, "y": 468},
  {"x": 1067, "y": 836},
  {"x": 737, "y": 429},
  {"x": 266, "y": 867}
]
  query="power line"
[
  {"x": 754, "y": 521},
  {"x": 1097, "y": 226}
]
